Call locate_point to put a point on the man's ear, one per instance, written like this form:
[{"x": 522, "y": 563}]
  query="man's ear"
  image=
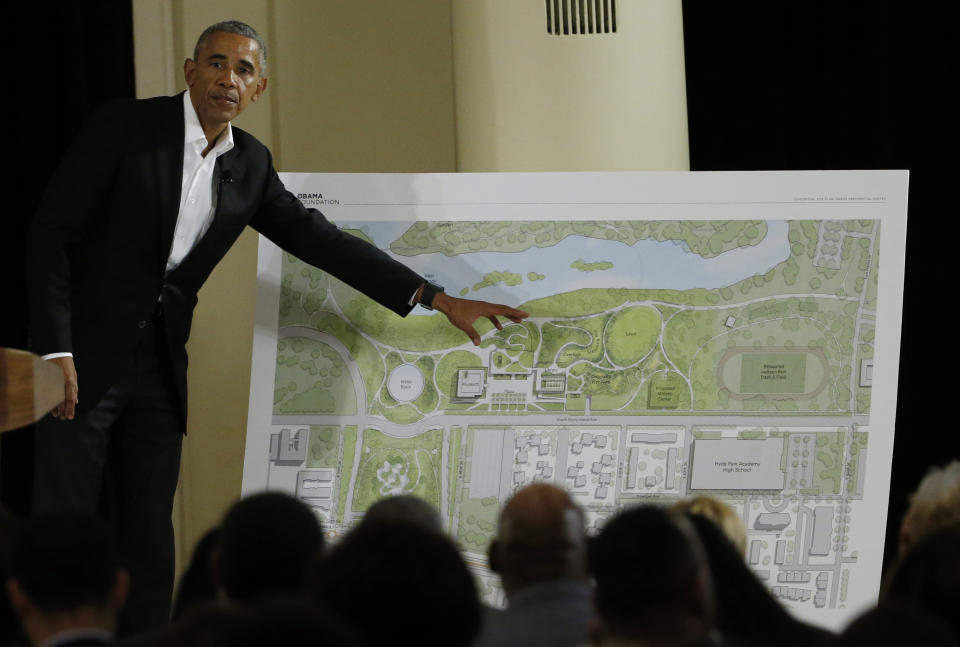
[
  {"x": 905, "y": 538},
  {"x": 261, "y": 88},
  {"x": 596, "y": 628},
  {"x": 121, "y": 588},
  {"x": 189, "y": 67},
  {"x": 700, "y": 596},
  {"x": 493, "y": 556}
]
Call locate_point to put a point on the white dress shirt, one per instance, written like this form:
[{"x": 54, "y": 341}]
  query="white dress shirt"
[{"x": 197, "y": 197}]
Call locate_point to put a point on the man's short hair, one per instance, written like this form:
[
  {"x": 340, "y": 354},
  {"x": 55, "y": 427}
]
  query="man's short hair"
[
  {"x": 384, "y": 576},
  {"x": 234, "y": 27},
  {"x": 65, "y": 561},
  {"x": 644, "y": 561},
  {"x": 268, "y": 543},
  {"x": 407, "y": 508}
]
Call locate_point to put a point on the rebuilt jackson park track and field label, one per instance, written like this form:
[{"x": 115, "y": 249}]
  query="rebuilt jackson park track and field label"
[{"x": 688, "y": 334}]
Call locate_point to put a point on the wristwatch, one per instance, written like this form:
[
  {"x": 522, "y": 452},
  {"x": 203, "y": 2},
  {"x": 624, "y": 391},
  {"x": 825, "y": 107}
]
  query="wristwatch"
[{"x": 430, "y": 291}]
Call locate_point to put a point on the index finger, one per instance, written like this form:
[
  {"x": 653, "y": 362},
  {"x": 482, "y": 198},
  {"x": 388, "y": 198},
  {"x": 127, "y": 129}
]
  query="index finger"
[
  {"x": 69, "y": 407},
  {"x": 70, "y": 399},
  {"x": 511, "y": 313}
]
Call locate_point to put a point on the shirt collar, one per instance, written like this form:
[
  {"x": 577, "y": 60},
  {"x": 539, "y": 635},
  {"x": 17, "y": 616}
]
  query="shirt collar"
[{"x": 193, "y": 131}]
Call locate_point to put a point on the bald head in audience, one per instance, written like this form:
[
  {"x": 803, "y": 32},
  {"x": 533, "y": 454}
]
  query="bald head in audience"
[{"x": 540, "y": 537}]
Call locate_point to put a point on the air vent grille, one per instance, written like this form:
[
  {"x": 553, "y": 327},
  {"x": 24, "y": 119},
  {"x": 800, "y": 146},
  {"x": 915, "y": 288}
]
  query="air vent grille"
[{"x": 572, "y": 17}]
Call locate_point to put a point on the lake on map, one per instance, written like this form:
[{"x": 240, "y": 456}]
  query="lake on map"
[{"x": 647, "y": 264}]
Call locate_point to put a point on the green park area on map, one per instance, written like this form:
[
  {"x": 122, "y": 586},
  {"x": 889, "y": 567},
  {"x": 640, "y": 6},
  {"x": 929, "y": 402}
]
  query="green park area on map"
[{"x": 789, "y": 338}]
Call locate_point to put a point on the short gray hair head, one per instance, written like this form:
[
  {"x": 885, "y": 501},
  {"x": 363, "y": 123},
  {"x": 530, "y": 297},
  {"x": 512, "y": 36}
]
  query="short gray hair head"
[
  {"x": 936, "y": 503},
  {"x": 234, "y": 27}
]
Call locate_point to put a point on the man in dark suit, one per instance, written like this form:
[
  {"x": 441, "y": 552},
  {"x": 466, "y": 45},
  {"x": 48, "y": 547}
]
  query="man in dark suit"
[{"x": 146, "y": 201}]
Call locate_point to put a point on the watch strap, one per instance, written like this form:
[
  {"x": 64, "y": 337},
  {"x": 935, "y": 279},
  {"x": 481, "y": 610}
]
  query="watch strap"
[{"x": 428, "y": 293}]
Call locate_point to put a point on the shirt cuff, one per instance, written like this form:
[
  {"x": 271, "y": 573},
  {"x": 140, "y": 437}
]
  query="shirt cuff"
[{"x": 55, "y": 355}]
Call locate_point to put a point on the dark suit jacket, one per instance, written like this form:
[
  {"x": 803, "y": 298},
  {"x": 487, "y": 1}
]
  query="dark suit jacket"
[{"x": 99, "y": 244}]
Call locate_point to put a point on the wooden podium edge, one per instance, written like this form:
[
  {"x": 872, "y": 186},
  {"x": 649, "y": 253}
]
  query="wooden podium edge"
[{"x": 29, "y": 388}]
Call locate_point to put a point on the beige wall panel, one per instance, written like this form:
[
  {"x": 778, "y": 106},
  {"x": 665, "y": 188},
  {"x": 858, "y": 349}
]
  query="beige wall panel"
[
  {"x": 527, "y": 100},
  {"x": 364, "y": 86},
  {"x": 156, "y": 58}
]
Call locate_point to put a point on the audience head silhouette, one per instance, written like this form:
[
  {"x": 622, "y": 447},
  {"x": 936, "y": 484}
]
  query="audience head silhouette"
[
  {"x": 394, "y": 579},
  {"x": 268, "y": 542},
  {"x": 540, "y": 537},
  {"x": 404, "y": 507},
  {"x": 540, "y": 555},
  {"x": 652, "y": 583},
  {"x": 64, "y": 575}
]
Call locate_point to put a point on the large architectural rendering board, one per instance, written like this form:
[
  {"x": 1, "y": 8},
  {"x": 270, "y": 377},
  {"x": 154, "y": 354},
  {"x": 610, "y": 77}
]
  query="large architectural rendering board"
[{"x": 727, "y": 334}]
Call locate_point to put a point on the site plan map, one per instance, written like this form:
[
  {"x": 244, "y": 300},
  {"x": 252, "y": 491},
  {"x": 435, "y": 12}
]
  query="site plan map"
[{"x": 689, "y": 333}]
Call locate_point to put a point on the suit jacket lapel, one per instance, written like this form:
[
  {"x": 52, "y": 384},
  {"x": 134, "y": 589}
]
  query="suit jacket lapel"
[{"x": 226, "y": 218}]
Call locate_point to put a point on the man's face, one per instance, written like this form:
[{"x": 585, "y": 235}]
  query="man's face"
[{"x": 225, "y": 78}]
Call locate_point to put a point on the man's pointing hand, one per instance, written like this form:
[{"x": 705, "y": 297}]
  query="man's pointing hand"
[{"x": 462, "y": 313}]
